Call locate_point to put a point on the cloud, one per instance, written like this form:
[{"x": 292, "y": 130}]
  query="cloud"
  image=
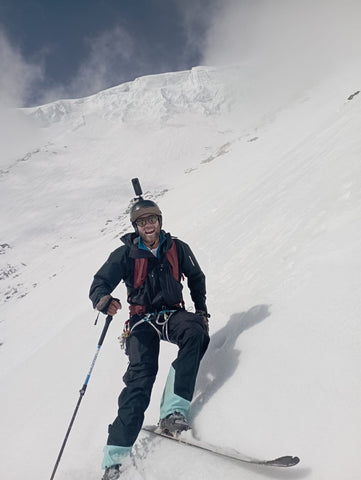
[
  {"x": 17, "y": 76},
  {"x": 314, "y": 32},
  {"x": 16, "y": 80},
  {"x": 283, "y": 46},
  {"x": 197, "y": 17},
  {"x": 101, "y": 68}
]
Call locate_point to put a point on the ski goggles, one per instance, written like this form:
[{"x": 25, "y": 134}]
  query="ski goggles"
[{"x": 141, "y": 222}]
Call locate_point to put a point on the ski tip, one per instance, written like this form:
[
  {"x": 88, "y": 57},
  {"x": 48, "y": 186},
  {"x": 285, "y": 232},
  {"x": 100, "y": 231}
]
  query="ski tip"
[{"x": 287, "y": 461}]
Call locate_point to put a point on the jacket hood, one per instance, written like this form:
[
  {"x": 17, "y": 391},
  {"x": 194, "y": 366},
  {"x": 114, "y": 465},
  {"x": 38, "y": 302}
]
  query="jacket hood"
[{"x": 129, "y": 238}]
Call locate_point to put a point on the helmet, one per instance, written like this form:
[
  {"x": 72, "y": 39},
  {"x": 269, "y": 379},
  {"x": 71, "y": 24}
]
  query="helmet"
[{"x": 143, "y": 207}]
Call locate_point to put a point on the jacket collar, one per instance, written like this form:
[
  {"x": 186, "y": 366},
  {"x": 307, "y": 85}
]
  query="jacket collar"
[
  {"x": 139, "y": 250},
  {"x": 142, "y": 246}
]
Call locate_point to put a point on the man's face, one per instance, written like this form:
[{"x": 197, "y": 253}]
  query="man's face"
[{"x": 149, "y": 229}]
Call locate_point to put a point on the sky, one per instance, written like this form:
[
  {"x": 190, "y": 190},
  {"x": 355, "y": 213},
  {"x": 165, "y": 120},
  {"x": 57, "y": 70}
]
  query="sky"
[{"x": 73, "y": 48}]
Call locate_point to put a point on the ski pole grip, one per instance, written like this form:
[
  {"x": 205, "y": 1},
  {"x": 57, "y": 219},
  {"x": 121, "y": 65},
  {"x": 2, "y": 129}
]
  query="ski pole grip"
[{"x": 105, "y": 329}]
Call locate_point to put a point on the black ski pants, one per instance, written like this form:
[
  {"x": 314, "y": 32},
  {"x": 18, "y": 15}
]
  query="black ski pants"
[{"x": 186, "y": 330}]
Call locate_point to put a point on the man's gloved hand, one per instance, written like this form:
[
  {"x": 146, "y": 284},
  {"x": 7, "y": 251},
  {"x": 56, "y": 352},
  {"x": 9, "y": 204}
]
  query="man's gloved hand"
[
  {"x": 205, "y": 317},
  {"x": 108, "y": 305},
  {"x": 114, "y": 306}
]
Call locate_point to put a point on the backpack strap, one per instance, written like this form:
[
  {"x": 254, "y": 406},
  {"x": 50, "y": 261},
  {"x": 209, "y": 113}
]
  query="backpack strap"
[
  {"x": 140, "y": 271},
  {"x": 172, "y": 257},
  {"x": 141, "y": 266}
]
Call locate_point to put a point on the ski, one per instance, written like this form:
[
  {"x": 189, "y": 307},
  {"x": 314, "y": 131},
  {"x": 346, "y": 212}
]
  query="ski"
[{"x": 285, "y": 461}]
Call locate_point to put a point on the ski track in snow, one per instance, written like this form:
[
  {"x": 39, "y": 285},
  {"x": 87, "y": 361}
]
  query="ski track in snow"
[{"x": 271, "y": 206}]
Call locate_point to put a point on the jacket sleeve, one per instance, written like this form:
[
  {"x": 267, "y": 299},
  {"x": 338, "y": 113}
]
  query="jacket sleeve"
[
  {"x": 195, "y": 277},
  {"x": 109, "y": 275}
]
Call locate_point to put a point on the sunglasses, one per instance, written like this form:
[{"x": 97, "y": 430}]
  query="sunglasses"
[{"x": 141, "y": 222}]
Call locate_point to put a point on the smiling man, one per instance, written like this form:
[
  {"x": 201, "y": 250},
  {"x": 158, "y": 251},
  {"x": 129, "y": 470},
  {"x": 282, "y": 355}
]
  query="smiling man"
[{"x": 152, "y": 263}]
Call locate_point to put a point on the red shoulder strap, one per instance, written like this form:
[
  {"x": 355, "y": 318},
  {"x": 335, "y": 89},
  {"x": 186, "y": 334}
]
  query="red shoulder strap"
[
  {"x": 140, "y": 271},
  {"x": 141, "y": 266},
  {"x": 172, "y": 257}
]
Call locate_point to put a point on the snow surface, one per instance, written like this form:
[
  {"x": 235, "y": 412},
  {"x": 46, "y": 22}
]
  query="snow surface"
[{"x": 268, "y": 195}]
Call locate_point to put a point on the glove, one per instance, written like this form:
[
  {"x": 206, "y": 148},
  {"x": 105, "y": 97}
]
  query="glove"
[
  {"x": 108, "y": 305},
  {"x": 205, "y": 317}
]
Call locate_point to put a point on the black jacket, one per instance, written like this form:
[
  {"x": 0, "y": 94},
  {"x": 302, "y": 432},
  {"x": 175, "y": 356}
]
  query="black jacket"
[{"x": 120, "y": 267}]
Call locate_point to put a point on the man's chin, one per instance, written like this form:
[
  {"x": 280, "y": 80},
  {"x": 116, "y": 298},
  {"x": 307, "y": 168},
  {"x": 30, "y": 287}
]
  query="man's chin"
[{"x": 150, "y": 239}]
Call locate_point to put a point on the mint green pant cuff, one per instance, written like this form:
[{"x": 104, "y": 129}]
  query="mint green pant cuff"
[
  {"x": 172, "y": 402},
  {"x": 113, "y": 455}
]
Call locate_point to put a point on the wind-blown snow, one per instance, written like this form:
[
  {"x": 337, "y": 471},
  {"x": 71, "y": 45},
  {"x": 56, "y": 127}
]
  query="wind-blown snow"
[{"x": 269, "y": 200}]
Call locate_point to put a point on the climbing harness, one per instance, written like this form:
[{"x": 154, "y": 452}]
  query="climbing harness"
[{"x": 157, "y": 320}]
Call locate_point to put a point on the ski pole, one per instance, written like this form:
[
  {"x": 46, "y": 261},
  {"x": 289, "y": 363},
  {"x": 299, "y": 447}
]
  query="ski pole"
[{"x": 82, "y": 392}]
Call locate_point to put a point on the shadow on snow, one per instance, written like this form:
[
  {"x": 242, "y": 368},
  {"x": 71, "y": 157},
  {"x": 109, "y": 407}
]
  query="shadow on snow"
[{"x": 222, "y": 358}]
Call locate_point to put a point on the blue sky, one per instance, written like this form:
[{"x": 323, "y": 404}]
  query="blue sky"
[
  {"x": 51, "y": 49},
  {"x": 76, "y": 47}
]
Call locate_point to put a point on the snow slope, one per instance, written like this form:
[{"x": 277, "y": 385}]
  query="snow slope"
[{"x": 269, "y": 200}]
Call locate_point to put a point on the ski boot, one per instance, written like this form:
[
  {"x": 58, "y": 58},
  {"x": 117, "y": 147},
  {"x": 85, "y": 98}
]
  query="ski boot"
[
  {"x": 111, "y": 473},
  {"x": 173, "y": 424}
]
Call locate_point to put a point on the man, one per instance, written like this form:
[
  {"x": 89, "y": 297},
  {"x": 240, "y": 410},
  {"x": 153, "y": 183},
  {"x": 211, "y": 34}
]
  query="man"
[{"x": 152, "y": 264}]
